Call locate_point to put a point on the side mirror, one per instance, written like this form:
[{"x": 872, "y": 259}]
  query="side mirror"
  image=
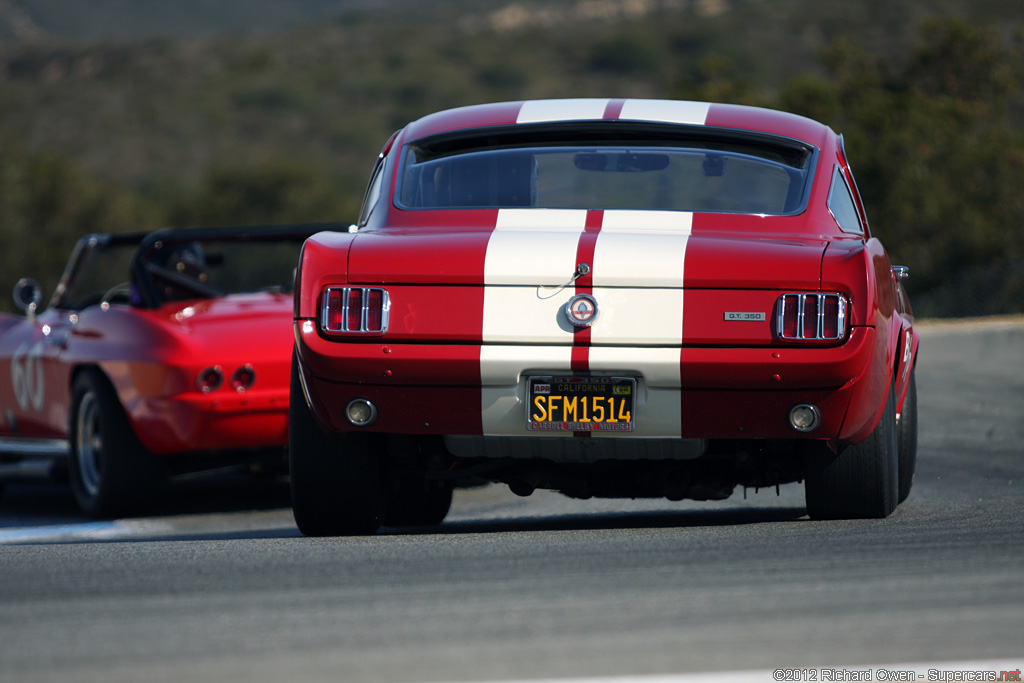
[{"x": 27, "y": 295}]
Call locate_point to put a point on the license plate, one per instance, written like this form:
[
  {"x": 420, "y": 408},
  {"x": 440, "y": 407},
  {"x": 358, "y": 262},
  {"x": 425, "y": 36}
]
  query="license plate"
[{"x": 581, "y": 404}]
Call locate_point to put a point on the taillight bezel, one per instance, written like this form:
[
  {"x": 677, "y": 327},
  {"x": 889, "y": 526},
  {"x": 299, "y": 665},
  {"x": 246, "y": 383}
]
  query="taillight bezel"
[
  {"x": 343, "y": 321},
  {"x": 813, "y": 321}
]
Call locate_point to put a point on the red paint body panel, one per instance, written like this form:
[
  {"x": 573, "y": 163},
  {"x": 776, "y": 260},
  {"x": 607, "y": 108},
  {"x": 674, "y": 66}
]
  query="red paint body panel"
[
  {"x": 418, "y": 258},
  {"x": 752, "y": 414},
  {"x": 767, "y": 120},
  {"x": 499, "y": 114},
  {"x": 390, "y": 364},
  {"x": 778, "y": 367},
  {"x": 727, "y": 262}
]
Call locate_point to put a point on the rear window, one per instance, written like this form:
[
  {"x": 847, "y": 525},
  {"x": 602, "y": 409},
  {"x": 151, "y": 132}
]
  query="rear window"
[{"x": 594, "y": 169}]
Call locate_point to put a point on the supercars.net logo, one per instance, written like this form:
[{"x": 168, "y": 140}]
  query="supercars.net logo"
[{"x": 894, "y": 675}]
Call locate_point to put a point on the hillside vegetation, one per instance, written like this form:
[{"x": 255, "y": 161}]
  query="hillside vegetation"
[{"x": 133, "y": 128}]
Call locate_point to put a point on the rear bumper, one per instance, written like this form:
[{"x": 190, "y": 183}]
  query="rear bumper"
[
  {"x": 697, "y": 393},
  {"x": 194, "y": 422}
]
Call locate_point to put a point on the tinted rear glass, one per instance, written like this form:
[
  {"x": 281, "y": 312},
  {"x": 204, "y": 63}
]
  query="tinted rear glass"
[{"x": 586, "y": 170}]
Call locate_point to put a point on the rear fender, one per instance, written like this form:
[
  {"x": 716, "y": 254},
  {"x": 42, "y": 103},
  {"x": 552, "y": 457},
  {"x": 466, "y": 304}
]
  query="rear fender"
[
  {"x": 863, "y": 271},
  {"x": 324, "y": 261},
  {"x": 906, "y": 360}
]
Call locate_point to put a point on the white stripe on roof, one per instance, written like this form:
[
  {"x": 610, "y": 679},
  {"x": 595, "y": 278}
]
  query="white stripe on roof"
[
  {"x": 670, "y": 111},
  {"x": 539, "y": 111}
]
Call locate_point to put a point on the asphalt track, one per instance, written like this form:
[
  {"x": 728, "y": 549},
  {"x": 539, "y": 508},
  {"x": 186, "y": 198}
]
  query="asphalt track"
[{"x": 221, "y": 587}]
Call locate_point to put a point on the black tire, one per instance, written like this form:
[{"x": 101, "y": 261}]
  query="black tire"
[
  {"x": 861, "y": 481},
  {"x": 111, "y": 472},
  {"x": 416, "y": 501},
  {"x": 335, "y": 480},
  {"x": 907, "y": 428}
]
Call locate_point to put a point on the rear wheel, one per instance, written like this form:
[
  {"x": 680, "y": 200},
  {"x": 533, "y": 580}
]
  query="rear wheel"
[
  {"x": 861, "y": 481},
  {"x": 111, "y": 472},
  {"x": 415, "y": 501},
  {"x": 413, "y": 498},
  {"x": 335, "y": 480},
  {"x": 907, "y": 428}
]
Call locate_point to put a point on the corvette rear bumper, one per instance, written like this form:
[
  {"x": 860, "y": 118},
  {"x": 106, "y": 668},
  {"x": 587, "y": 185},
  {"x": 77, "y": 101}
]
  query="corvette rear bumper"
[{"x": 195, "y": 422}]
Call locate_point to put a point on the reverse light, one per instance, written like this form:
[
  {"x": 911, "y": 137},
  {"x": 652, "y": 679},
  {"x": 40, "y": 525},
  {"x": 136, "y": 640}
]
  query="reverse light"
[
  {"x": 355, "y": 309},
  {"x": 361, "y": 412},
  {"x": 804, "y": 417},
  {"x": 810, "y": 317}
]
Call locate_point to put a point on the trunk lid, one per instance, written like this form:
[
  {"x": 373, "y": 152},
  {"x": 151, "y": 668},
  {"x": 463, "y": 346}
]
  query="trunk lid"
[{"x": 512, "y": 286}]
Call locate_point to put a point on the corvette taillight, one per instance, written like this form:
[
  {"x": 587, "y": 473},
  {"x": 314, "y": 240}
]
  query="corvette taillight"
[
  {"x": 355, "y": 309},
  {"x": 209, "y": 379},
  {"x": 243, "y": 378},
  {"x": 810, "y": 317}
]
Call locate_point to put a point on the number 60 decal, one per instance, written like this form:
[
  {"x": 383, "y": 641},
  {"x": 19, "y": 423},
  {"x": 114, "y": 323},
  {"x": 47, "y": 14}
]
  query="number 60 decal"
[{"x": 27, "y": 376}]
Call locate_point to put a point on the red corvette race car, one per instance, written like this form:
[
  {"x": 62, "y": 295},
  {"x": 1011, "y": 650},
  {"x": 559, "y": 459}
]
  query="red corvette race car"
[
  {"x": 176, "y": 343},
  {"x": 611, "y": 298}
]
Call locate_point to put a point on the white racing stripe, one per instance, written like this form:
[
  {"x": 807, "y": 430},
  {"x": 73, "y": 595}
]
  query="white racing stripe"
[
  {"x": 670, "y": 111},
  {"x": 533, "y": 247},
  {"x": 540, "y": 111},
  {"x": 638, "y": 279},
  {"x": 532, "y": 219},
  {"x": 635, "y": 249},
  {"x": 638, "y": 274},
  {"x": 640, "y": 250},
  {"x": 658, "y": 401},
  {"x": 645, "y": 220},
  {"x": 629, "y": 315},
  {"x": 528, "y": 248}
]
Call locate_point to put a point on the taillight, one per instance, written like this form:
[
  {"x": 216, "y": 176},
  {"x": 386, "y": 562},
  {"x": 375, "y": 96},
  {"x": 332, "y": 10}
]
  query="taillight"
[
  {"x": 833, "y": 317},
  {"x": 811, "y": 317},
  {"x": 209, "y": 379},
  {"x": 375, "y": 310},
  {"x": 243, "y": 378},
  {"x": 355, "y": 309},
  {"x": 353, "y": 314}
]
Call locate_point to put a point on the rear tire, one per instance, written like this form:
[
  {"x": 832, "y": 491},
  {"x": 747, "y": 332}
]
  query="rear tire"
[
  {"x": 111, "y": 472},
  {"x": 907, "y": 428},
  {"x": 861, "y": 481},
  {"x": 415, "y": 501},
  {"x": 335, "y": 480},
  {"x": 413, "y": 497}
]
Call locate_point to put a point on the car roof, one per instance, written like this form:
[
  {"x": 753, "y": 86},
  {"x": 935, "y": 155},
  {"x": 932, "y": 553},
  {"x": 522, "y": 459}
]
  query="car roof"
[{"x": 680, "y": 112}]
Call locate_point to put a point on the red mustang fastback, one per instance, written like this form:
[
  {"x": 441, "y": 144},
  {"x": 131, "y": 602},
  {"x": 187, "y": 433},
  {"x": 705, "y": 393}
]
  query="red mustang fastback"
[
  {"x": 158, "y": 355},
  {"x": 610, "y": 298}
]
